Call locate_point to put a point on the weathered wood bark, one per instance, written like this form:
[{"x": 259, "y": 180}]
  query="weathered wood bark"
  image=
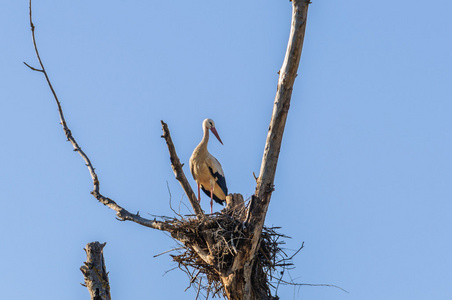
[
  {"x": 180, "y": 176},
  {"x": 287, "y": 74},
  {"x": 95, "y": 272},
  {"x": 246, "y": 269}
]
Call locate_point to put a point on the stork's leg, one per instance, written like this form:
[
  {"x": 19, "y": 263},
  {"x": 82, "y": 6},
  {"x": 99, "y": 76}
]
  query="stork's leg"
[
  {"x": 211, "y": 199},
  {"x": 199, "y": 194}
]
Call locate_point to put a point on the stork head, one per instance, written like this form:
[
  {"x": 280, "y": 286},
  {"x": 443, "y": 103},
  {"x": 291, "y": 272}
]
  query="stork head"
[{"x": 210, "y": 124}]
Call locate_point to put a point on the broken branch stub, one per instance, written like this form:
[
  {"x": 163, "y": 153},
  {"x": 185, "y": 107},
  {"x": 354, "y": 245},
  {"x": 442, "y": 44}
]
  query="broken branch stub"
[{"x": 95, "y": 272}]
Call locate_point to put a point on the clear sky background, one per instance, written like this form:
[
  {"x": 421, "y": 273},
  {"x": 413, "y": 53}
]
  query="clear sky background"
[{"x": 365, "y": 171}]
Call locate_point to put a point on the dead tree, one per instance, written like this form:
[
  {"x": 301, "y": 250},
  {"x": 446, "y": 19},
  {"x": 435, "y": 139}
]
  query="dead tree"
[
  {"x": 233, "y": 249},
  {"x": 95, "y": 272}
]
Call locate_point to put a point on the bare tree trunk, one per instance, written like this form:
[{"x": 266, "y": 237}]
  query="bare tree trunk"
[{"x": 95, "y": 273}]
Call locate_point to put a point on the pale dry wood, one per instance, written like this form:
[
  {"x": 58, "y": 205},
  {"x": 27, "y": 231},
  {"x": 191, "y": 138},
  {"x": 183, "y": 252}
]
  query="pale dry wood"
[
  {"x": 235, "y": 207},
  {"x": 179, "y": 173},
  {"x": 95, "y": 272},
  {"x": 235, "y": 202},
  {"x": 287, "y": 75}
]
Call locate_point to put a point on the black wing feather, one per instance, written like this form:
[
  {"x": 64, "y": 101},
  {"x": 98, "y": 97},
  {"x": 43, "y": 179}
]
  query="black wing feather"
[
  {"x": 217, "y": 200},
  {"x": 221, "y": 181}
]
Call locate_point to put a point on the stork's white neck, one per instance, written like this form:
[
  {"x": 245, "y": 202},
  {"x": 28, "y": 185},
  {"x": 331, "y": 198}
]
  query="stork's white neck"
[{"x": 202, "y": 147}]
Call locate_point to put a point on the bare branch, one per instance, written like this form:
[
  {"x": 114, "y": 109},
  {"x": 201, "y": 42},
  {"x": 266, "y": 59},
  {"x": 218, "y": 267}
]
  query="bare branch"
[
  {"x": 299, "y": 249},
  {"x": 164, "y": 252},
  {"x": 67, "y": 132},
  {"x": 199, "y": 288},
  {"x": 258, "y": 207},
  {"x": 171, "y": 207},
  {"x": 121, "y": 213},
  {"x": 314, "y": 284},
  {"x": 179, "y": 173},
  {"x": 34, "y": 69}
]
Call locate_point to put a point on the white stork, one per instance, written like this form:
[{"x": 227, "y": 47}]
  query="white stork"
[{"x": 206, "y": 169}]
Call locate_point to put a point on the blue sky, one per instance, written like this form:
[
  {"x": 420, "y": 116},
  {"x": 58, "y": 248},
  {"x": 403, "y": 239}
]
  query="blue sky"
[{"x": 364, "y": 176}]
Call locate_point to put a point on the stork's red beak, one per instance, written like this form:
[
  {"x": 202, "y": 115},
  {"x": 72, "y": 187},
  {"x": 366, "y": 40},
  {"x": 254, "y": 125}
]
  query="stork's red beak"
[{"x": 214, "y": 131}]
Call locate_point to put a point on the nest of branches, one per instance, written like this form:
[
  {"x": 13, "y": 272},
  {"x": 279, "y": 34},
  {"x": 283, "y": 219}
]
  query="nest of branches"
[{"x": 211, "y": 246}]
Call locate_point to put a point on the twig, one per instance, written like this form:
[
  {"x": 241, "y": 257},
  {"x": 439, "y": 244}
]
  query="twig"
[
  {"x": 169, "y": 192},
  {"x": 195, "y": 276},
  {"x": 181, "y": 202},
  {"x": 199, "y": 288},
  {"x": 34, "y": 69},
  {"x": 170, "y": 250},
  {"x": 302, "y": 245},
  {"x": 167, "y": 271},
  {"x": 315, "y": 284}
]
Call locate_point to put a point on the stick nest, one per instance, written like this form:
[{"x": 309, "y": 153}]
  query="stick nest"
[{"x": 220, "y": 238}]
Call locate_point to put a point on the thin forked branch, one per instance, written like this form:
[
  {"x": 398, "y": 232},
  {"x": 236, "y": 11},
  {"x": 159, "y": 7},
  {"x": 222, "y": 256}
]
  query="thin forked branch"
[
  {"x": 121, "y": 212},
  {"x": 67, "y": 132}
]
